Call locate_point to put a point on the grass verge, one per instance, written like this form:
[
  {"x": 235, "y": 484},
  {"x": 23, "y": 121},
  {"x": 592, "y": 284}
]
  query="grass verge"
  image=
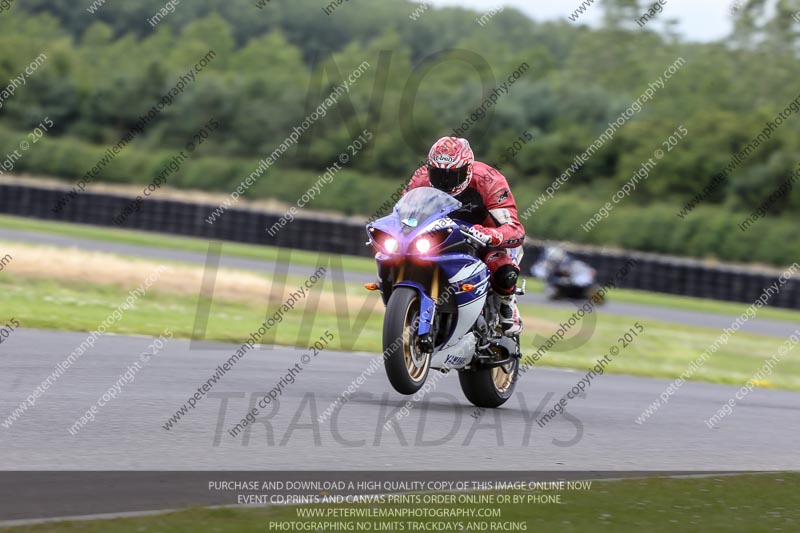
[
  {"x": 354, "y": 264},
  {"x": 355, "y": 318},
  {"x": 752, "y": 503},
  {"x": 189, "y": 244}
]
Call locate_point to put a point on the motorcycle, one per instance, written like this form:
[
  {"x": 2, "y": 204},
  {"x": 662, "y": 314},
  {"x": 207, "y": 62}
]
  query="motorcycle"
[
  {"x": 566, "y": 277},
  {"x": 439, "y": 313}
]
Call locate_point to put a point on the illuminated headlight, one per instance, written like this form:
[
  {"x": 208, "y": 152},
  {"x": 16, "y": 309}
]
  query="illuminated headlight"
[
  {"x": 422, "y": 245},
  {"x": 390, "y": 244}
]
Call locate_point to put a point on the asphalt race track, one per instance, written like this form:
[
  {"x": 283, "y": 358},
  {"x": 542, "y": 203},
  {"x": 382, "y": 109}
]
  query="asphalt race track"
[
  {"x": 440, "y": 432},
  {"x": 598, "y": 432},
  {"x": 760, "y": 326}
]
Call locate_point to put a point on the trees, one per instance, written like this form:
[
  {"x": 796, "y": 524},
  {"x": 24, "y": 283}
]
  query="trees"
[{"x": 274, "y": 66}]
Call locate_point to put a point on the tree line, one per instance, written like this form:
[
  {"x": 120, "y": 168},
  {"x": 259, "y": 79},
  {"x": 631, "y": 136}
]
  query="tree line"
[{"x": 274, "y": 65}]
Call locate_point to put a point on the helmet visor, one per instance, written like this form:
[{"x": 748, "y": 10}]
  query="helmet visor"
[{"x": 447, "y": 179}]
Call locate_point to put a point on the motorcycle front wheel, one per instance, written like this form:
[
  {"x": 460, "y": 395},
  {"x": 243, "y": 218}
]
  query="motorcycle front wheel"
[
  {"x": 551, "y": 292},
  {"x": 406, "y": 364},
  {"x": 594, "y": 290}
]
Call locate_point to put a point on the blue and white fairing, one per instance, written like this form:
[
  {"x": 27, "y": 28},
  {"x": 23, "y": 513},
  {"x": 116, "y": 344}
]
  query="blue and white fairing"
[{"x": 420, "y": 234}]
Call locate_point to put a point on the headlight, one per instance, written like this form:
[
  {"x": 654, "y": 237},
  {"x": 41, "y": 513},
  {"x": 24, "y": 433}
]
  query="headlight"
[
  {"x": 429, "y": 241},
  {"x": 390, "y": 244},
  {"x": 423, "y": 245},
  {"x": 382, "y": 242}
]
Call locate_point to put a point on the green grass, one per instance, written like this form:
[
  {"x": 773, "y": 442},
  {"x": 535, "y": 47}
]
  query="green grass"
[
  {"x": 751, "y": 503},
  {"x": 189, "y": 244},
  {"x": 83, "y": 306},
  {"x": 664, "y": 350},
  {"x": 355, "y": 264},
  {"x": 661, "y": 351},
  {"x": 701, "y": 305}
]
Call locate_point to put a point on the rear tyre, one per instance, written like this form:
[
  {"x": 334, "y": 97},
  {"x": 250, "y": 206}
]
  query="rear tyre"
[
  {"x": 406, "y": 364},
  {"x": 490, "y": 387}
]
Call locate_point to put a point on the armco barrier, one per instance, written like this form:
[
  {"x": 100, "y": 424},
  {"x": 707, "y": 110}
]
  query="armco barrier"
[{"x": 652, "y": 272}]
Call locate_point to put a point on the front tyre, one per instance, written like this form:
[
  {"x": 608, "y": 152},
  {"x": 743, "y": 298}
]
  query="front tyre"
[
  {"x": 490, "y": 386},
  {"x": 406, "y": 364},
  {"x": 595, "y": 294},
  {"x": 551, "y": 292}
]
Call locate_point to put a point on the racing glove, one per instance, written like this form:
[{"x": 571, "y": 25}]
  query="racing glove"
[{"x": 488, "y": 236}]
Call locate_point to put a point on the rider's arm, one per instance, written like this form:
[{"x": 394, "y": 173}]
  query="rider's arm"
[{"x": 503, "y": 210}]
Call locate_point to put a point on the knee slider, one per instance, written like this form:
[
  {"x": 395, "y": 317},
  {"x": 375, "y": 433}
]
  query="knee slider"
[{"x": 506, "y": 276}]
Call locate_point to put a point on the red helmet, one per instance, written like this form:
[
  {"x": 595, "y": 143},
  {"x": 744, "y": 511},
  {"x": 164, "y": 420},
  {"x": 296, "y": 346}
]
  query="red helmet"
[{"x": 450, "y": 164}]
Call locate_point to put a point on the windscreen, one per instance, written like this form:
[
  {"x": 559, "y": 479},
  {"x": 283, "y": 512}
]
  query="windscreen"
[{"x": 420, "y": 203}]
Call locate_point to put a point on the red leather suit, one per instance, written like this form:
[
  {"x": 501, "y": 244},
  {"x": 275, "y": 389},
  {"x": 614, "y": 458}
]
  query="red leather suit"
[{"x": 488, "y": 201}]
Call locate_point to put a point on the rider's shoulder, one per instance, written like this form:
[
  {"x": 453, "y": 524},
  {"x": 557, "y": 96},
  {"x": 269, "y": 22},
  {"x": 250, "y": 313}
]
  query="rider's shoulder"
[{"x": 486, "y": 175}]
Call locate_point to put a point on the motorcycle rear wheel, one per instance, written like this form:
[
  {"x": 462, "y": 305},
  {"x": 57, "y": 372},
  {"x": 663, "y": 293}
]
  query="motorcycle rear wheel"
[
  {"x": 490, "y": 386},
  {"x": 406, "y": 364}
]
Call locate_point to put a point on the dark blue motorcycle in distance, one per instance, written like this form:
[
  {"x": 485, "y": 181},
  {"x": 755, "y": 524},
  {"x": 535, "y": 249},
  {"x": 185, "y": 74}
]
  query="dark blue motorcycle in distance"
[{"x": 438, "y": 311}]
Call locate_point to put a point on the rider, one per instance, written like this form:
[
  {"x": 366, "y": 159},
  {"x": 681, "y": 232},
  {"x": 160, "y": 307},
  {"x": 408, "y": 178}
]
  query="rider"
[
  {"x": 487, "y": 204},
  {"x": 557, "y": 262}
]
